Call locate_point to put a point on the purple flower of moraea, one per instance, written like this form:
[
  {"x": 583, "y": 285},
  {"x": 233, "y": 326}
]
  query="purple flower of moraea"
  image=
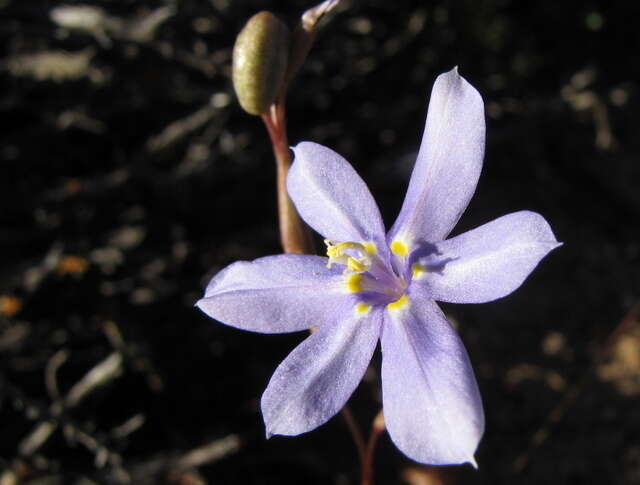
[{"x": 384, "y": 286}]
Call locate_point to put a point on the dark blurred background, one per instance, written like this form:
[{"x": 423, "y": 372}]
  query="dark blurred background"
[{"x": 130, "y": 175}]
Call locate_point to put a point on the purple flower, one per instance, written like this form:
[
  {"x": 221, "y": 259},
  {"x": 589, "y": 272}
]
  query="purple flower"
[{"x": 384, "y": 286}]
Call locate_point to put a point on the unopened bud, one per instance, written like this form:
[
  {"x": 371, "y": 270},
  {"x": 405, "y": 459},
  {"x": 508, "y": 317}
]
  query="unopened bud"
[{"x": 259, "y": 61}]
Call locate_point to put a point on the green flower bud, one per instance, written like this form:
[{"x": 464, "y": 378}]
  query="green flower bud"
[{"x": 259, "y": 61}]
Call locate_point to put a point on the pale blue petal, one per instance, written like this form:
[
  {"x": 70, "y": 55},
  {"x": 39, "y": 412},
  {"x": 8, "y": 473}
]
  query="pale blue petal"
[
  {"x": 275, "y": 294},
  {"x": 432, "y": 407},
  {"x": 315, "y": 381},
  {"x": 488, "y": 262},
  {"x": 332, "y": 198},
  {"x": 448, "y": 165}
]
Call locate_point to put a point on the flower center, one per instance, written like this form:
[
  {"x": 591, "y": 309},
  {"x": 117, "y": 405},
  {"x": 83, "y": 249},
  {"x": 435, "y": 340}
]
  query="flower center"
[{"x": 366, "y": 273}]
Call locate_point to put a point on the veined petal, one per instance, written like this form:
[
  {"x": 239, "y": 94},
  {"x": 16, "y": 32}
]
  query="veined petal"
[
  {"x": 315, "y": 381},
  {"x": 332, "y": 198},
  {"x": 432, "y": 407},
  {"x": 490, "y": 261},
  {"x": 449, "y": 163},
  {"x": 275, "y": 294}
]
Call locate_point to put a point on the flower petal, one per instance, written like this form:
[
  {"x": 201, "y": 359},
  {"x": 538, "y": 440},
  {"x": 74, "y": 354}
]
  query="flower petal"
[
  {"x": 490, "y": 261},
  {"x": 432, "y": 407},
  {"x": 448, "y": 165},
  {"x": 275, "y": 294},
  {"x": 315, "y": 381},
  {"x": 332, "y": 198}
]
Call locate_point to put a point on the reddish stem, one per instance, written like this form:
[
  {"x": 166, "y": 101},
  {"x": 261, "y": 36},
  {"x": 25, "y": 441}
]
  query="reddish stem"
[
  {"x": 377, "y": 428},
  {"x": 294, "y": 236},
  {"x": 356, "y": 434}
]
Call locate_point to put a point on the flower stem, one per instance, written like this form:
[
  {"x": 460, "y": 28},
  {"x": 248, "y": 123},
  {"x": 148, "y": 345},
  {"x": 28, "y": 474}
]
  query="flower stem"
[
  {"x": 377, "y": 428},
  {"x": 294, "y": 236},
  {"x": 356, "y": 434}
]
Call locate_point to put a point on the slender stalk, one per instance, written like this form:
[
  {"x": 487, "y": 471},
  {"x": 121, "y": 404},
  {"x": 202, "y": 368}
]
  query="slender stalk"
[
  {"x": 294, "y": 236},
  {"x": 377, "y": 428},
  {"x": 356, "y": 434}
]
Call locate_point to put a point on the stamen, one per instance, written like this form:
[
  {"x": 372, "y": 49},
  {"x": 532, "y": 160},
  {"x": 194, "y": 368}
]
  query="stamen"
[
  {"x": 370, "y": 248},
  {"x": 400, "y": 303},
  {"x": 417, "y": 270},
  {"x": 356, "y": 265},
  {"x": 399, "y": 248},
  {"x": 353, "y": 255},
  {"x": 362, "y": 308},
  {"x": 354, "y": 283}
]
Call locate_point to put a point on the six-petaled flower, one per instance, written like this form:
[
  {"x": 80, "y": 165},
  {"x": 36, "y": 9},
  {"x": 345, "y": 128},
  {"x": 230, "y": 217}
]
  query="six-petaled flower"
[{"x": 383, "y": 286}]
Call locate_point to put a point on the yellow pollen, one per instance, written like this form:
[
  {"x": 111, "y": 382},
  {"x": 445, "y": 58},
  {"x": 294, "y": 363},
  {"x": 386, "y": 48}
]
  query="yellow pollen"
[
  {"x": 356, "y": 260},
  {"x": 356, "y": 266},
  {"x": 417, "y": 270},
  {"x": 354, "y": 283},
  {"x": 370, "y": 248},
  {"x": 399, "y": 248},
  {"x": 400, "y": 303},
  {"x": 333, "y": 251},
  {"x": 362, "y": 308}
]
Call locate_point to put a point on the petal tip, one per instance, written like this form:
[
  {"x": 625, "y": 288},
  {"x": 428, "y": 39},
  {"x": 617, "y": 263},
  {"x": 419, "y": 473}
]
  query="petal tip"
[
  {"x": 268, "y": 429},
  {"x": 453, "y": 74},
  {"x": 454, "y": 80},
  {"x": 553, "y": 245},
  {"x": 302, "y": 145},
  {"x": 199, "y": 304}
]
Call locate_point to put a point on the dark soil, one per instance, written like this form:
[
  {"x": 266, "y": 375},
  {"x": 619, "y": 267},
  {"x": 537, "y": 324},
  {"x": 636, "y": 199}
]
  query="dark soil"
[{"x": 128, "y": 182}]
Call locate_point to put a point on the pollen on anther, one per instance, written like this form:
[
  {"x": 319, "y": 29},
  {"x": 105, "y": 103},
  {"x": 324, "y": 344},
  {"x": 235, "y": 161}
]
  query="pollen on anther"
[
  {"x": 362, "y": 308},
  {"x": 400, "y": 303},
  {"x": 354, "y": 283},
  {"x": 399, "y": 248},
  {"x": 370, "y": 248},
  {"x": 417, "y": 270},
  {"x": 356, "y": 265}
]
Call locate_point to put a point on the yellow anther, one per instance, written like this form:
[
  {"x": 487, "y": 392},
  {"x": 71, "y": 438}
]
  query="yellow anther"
[
  {"x": 370, "y": 248},
  {"x": 417, "y": 270},
  {"x": 354, "y": 283},
  {"x": 399, "y": 248},
  {"x": 356, "y": 265},
  {"x": 400, "y": 303},
  {"x": 356, "y": 260},
  {"x": 362, "y": 308},
  {"x": 332, "y": 251},
  {"x": 337, "y": 249}
]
